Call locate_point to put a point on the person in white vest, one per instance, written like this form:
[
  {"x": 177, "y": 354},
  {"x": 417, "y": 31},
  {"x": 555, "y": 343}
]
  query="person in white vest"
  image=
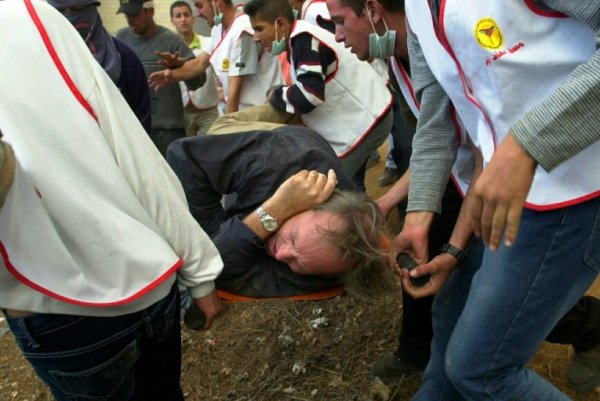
[
  {"x": 246, "y": 72},
  {"x": 357, "y": 23},
  {"x": 523, "y": 78},
  {"x": 95, "y": 229},
  {"x": 200, "y": 105},
  {"x": 352, "y": 115}
]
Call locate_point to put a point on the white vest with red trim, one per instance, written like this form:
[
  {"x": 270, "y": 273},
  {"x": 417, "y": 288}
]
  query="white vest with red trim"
[
  {"x": 464, "y": 165},
  {"x": 72, "y": 227},
  {"x": 255, "y": 86},
  {"x": 311, "y": 9},
  {"x": 495, "y": 68},
  {"x": 356, "y": 98},
  {"x": 206, "y": 96}
]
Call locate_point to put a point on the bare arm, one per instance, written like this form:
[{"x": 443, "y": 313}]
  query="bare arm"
[
  {"x": 394, "y": 195},
  {"x": 234, "y": 93},
  {"x": 190, "y": 69}
]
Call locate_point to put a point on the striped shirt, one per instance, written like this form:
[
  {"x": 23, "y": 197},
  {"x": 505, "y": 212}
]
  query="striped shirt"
[{"x": 314, "y": 63}]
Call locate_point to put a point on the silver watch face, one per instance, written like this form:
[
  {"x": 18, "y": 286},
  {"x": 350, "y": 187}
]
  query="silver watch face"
[{"x": 270, "y": 224}]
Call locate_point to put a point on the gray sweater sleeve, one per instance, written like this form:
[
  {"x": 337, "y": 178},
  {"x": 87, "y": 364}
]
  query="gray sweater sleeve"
[
  {"x": 568, "y": 120},
  {"x": 435, "y": 142}
]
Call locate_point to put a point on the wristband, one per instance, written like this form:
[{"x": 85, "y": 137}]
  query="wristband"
[{"x": 458, "y": 253}]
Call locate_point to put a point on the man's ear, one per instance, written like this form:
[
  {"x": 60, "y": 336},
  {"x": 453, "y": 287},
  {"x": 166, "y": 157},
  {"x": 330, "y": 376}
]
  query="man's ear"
[
  {"x": 374, "y": 9},
  {"x": 283, "y": 25}
]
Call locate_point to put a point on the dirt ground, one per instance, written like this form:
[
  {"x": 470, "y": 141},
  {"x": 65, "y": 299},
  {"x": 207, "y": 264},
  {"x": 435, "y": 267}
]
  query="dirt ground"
[{"x": 296, "y": 351}]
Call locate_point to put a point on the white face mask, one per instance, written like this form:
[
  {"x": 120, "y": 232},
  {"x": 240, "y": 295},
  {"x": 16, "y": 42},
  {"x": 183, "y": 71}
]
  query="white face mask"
[
  {"x": 278, "y": 46},
  {"x": 218, "y": 18},
  {"x": 381, "y": 46}
]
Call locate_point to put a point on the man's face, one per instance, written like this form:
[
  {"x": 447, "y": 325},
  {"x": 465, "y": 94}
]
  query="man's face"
[
  {"x": 264, "y": 33},
  {"x": 205, "y": 9},
  {"x": 183, "y": 20},
  {"x": 300, "y": 245},
  {"x": 353, "y": 31},
  {"x": 140, "y": 22}
]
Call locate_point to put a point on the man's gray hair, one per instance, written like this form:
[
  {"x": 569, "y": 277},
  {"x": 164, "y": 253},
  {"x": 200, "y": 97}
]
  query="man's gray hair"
[{"x": 360, "y": 240}]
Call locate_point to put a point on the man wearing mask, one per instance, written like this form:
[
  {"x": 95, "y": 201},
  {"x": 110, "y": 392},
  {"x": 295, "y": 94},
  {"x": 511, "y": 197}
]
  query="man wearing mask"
[
  {"x": 121, "y": 64},
  {"x": 523, "y": 77},
  {"x": 353, "y": 116},
  {"x": 369, "y": 26}
]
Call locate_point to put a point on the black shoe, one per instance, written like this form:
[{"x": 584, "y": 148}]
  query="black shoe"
[
  {"x": 584, "y": 372},
  {"x": 389, "y": 176},
  {"x": 392, "y": 368}
]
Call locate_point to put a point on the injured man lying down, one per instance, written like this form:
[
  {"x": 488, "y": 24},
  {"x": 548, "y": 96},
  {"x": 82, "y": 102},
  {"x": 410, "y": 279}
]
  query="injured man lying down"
[{"x": 286, "y": 219}]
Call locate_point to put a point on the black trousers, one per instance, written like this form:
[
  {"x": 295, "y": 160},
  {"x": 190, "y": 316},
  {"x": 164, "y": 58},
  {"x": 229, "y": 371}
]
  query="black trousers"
[{"x": 416, "y": 331}]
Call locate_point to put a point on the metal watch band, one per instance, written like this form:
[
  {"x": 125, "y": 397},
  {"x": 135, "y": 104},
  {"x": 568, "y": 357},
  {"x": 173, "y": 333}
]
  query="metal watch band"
[{"x": 268, "y": 222}]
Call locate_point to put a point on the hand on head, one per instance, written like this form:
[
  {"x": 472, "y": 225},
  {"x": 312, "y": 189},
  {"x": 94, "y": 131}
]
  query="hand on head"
[{"x": 301, "y": 192}]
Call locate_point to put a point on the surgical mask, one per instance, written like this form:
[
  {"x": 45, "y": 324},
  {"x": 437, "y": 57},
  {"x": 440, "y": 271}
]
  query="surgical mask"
[
  {"x": 218, "y": 18},
  {"x": 381, "y": 46},
  {"x": 278, "y": 46}
]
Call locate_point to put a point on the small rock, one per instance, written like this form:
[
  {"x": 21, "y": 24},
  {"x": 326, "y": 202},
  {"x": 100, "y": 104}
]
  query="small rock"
[
  {"x": 299, "y": 368},
  {"x": 319, "y": 322}
]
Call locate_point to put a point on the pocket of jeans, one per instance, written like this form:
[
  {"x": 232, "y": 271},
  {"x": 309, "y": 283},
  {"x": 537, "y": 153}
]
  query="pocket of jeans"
[
  {"x": 592, "y": 251},
  {"x": 112, "y": 379}
]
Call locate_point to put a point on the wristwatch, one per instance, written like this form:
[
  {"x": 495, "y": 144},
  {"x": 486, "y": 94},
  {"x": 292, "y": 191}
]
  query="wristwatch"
[
  {"x": 458, "y": 253},
  {"x": 268, "y": 222}
]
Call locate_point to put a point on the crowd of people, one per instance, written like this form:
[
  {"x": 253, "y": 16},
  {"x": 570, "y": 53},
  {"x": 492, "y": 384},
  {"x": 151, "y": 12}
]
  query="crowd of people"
[{"x": 170, "y": 168}]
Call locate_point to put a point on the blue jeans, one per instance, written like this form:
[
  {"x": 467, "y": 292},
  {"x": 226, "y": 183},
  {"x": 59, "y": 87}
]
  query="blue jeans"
[
  {"x": 130, "y": 357},
  {"x": 493, "y": 313}
]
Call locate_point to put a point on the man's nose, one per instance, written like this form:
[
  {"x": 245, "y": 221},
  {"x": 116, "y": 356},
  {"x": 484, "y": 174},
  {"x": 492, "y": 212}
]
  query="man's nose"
[
  {"x": 339, "y": 36},
  {"x": 285, "y": 253}
]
